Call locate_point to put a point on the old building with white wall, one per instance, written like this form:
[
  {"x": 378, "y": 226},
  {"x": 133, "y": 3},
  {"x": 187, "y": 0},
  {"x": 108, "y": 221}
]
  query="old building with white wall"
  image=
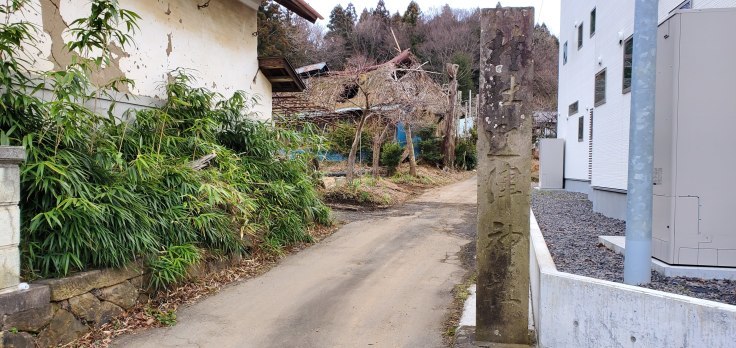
[
  {"x": 215, "y": 41},
  {"x": 594, "y": 98}
]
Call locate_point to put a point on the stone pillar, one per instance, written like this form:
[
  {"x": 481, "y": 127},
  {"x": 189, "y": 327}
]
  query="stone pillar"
[
  {"x": 10, "y": 158},
  {"x": 504, "y": 176}
]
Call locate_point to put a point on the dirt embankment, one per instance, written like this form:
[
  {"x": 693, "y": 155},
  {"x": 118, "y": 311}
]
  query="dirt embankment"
[{"x": 367, "y": 192}]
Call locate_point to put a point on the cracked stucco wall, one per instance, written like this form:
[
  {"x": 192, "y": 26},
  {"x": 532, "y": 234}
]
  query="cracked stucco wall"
[{"x": 214, "y": 43}]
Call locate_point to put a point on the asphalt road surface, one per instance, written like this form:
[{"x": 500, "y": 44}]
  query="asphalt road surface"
[{"x": 382, "y": 280}]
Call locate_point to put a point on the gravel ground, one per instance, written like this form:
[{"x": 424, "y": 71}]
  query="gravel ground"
[{"x": 571, "y": 230}]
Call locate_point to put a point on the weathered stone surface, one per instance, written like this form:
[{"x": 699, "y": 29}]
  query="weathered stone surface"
[
  {"x": 10, "y": 183},
  {"x": 88, "y": 308},
  {"x": 123, "y": 295},
  {"x": 64, "y": 288},
  {"x": 143, "y": 298},
  {"x": 218, "y": 264},
  {"x": 17, "y": 340},
  {"x": 329, "y": 182},
  {"x": 9, "y": 225},
  {"x": 85, "y": 306},
  {"x": 32, "y": 320},
  {"x": 12, "y": 154},
  {"x": 9, "y": 263},
  {"x": 62, "y": 329},
  {"x": 197, "y": 270},
  {"x": 107, "y": 312},
  {"x": 75, "y": 285},
  {"x": 504, "y": 168},
  {"x": 139, "y": 282},
  {"x": 17, "y": 301}
]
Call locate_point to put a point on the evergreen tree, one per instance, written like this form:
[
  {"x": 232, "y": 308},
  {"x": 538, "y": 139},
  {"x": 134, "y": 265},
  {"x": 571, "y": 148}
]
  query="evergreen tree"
[
  {"x": 381, "y": 12},
  {"x": 342, "y": 22},
  {"x": 272, "y": 30},
  {"x": 412, "y": 13},
  {"x": 350, "y": 12},
  {"x": 411, "y": 20},
  {"x": 337, "y": 19},
  {"x": 364, "y": 15},
  {"x": 464, "y": 73},
  {"x": 342, "y": 25},
  {"x": 281, "y": 34},
  {"x": 396, "y": 19}
]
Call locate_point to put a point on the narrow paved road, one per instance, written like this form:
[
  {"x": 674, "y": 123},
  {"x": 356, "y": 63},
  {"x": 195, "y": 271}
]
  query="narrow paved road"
[{"x": 383, "y": 280}]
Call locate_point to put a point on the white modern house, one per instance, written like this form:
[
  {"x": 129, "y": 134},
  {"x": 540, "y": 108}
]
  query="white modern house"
[{"x": 695, "y": 107}]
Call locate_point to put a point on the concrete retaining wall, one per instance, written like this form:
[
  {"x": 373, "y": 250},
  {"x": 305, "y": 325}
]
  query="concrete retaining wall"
[{"x": 577, "y": 311}]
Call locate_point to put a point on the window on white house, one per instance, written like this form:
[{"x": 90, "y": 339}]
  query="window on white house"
[
  {"x": 685, "y": 5},
  {"x": 572, "y": 109},
  {"x": 600, "y": 87},
  {"x": 592, "y": 22},
  {"x": 628, "y": 61},
  {"x": 581, "y": 124},
  {"x": 564, "y": 53},
  {"x": 580, "y": 36}
]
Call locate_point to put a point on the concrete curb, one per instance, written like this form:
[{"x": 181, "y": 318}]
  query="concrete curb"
[{"x": 577, "y": 311}]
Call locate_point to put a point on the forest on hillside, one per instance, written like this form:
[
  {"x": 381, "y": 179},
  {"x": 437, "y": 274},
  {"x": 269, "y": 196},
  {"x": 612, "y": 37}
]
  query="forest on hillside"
[{"x": 437, "y": 36}]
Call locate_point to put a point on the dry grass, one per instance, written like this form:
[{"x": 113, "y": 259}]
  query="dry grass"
[
  {"x": 370, "y": 192},
  {"x": 460, "y": 294}
]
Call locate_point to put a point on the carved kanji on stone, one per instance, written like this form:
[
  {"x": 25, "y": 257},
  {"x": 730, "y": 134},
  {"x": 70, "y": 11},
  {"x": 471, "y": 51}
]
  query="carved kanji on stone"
[{"x": 504, "y": 168}]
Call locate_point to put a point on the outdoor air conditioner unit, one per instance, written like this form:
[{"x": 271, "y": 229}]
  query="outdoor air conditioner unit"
[{"x": 694, "y": 162}]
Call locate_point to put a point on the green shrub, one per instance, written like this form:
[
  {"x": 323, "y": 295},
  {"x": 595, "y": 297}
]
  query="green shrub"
[
  {"x": 391, "y": 156},
  {"x": 430, "y": 146},
  {"x": 340, "y": 140},
  {"x": 98, "y": 192},
  {"x": 166, "y": 318},
  {"x": 466, "y": 157},
  {"x": 171, "y": 266}
]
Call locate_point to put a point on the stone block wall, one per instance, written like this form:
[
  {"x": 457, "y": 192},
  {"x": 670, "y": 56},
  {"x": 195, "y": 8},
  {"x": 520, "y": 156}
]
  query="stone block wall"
[{"x": 58, "y": 311}]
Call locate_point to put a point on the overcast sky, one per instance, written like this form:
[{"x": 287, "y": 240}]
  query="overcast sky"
[{"x": 546, "y": 11}]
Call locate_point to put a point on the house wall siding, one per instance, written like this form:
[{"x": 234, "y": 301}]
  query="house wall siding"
[
  {"x": 576, "y": 78},
  {"x": 215, "y": 44}
]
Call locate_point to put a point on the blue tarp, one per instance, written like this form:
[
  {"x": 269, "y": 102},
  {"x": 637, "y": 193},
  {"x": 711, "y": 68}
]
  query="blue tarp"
[{"x": 401, "y": 137}]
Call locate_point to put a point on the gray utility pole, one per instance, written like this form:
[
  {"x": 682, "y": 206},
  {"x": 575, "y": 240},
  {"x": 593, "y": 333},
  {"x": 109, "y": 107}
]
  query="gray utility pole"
[
  {"x": 504, "y": 175},
  {"x": 638, "y": 254}
]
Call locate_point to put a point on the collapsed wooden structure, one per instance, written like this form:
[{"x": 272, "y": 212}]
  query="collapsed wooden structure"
[{"x": 387, "y": 90}]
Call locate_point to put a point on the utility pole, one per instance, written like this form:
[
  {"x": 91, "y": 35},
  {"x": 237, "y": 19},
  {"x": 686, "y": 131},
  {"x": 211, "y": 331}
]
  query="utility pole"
[
  {"x": 448, "y": 145},
  {"x": 638, "y": 253},
  {"x": 504, "y": 175}
]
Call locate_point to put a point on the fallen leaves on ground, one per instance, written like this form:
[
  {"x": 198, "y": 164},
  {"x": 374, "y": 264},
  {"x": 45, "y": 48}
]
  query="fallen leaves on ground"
[{"x": 151, "y": 313}]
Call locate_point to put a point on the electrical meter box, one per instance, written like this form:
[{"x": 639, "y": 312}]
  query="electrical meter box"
[{"x": 694, "y": 207}]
